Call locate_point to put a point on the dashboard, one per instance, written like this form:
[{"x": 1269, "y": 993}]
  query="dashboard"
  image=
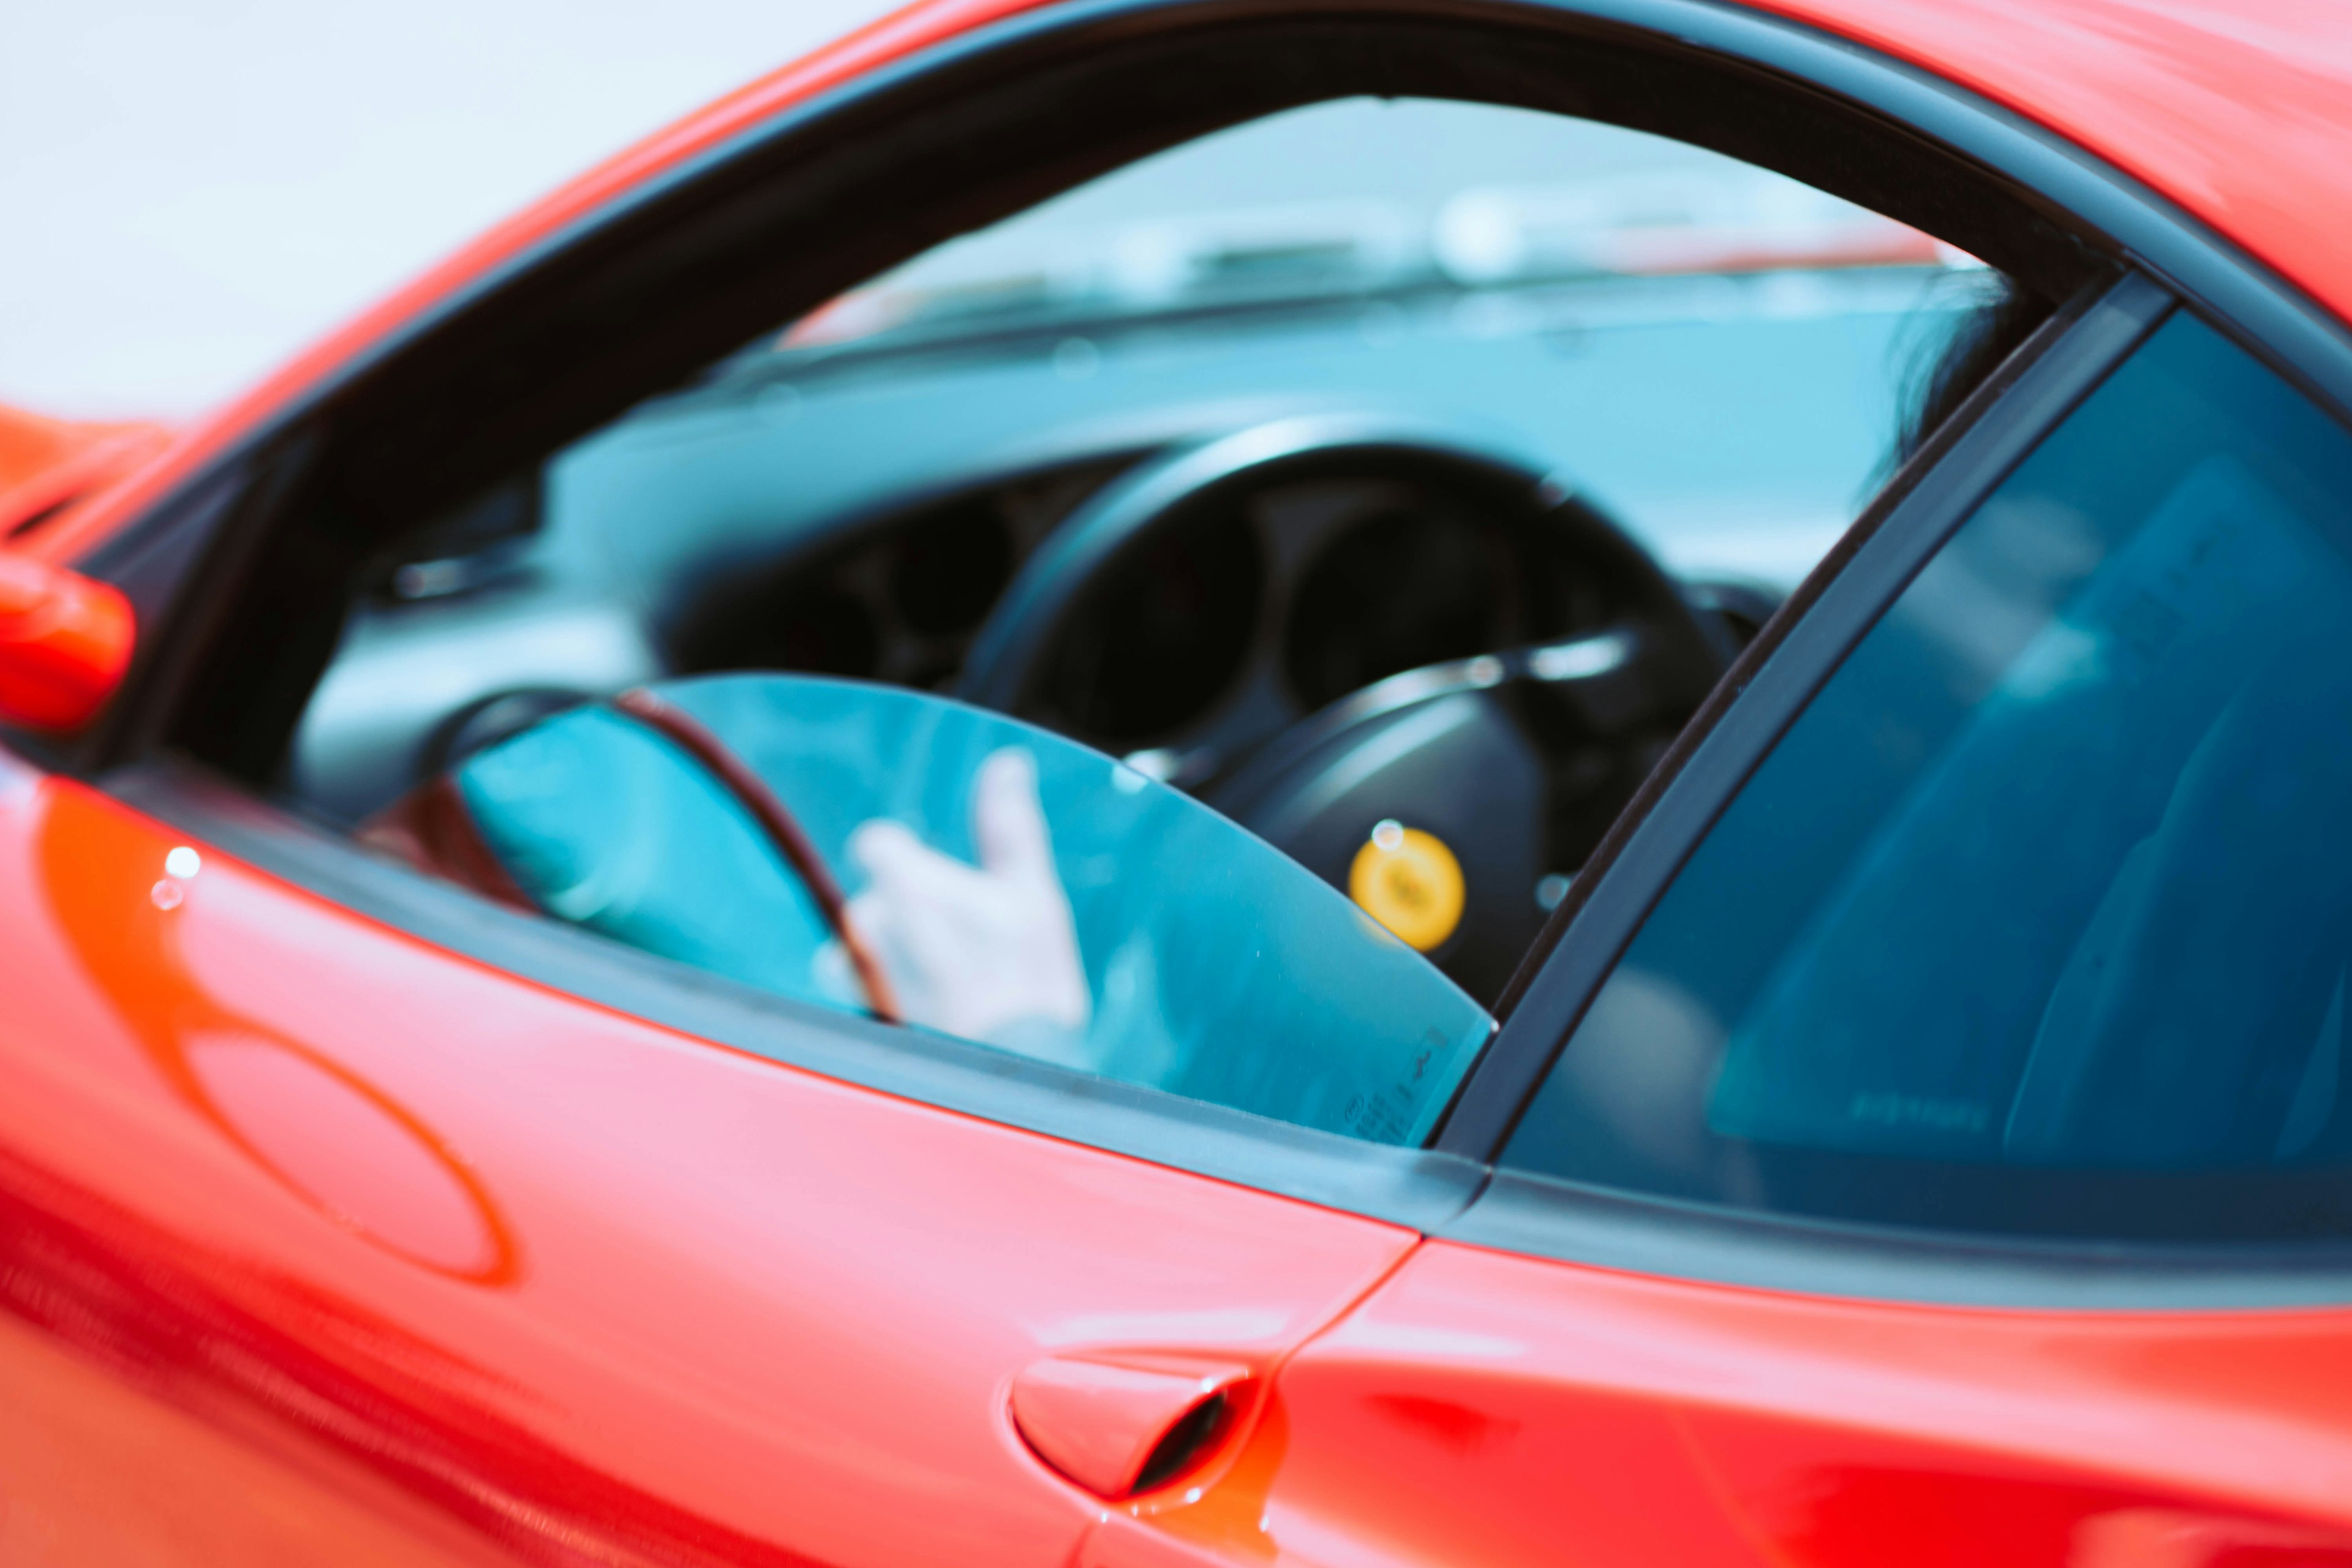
[
  {"x": 862, "y": 513},
  {"x": 896, "y": 602},
  {"x": 1332, "y": 585}
]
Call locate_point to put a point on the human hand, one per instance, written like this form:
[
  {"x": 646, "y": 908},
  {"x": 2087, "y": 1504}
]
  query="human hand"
[{"x": 981, "y": 951}]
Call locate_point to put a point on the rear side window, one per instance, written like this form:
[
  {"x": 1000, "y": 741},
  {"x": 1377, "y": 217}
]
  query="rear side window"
[{"x": 2039, "y": 918}]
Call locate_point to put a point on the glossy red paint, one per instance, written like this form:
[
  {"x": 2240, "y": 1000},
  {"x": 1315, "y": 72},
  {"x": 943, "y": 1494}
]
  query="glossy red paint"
[
  {"x": 47, "y": 465},
  {"x": 593, "y": 1291},
  {"x": 2240, "y": 114},
  {"x": 65, "y": 642},
  {"x": 100, "y": 1470},
  {"x": 1492, "y": 1409}
]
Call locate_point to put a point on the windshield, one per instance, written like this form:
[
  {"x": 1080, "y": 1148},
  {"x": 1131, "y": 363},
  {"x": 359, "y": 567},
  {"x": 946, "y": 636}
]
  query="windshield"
[
  {"x": 1716, "y": 354},
  {"x": 1214, "y": 966}
]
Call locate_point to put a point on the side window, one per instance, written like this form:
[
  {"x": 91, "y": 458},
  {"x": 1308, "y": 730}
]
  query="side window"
[
  {"x": 1347, "y": 505},
  {"x": 1015, "y": 891},
  {"x": 2039, "y": 920}
]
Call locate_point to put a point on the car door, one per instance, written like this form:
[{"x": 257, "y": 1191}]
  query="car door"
[
  {"x": 390, "y": 1241},
  {"x": 1950, "y": 1168}
]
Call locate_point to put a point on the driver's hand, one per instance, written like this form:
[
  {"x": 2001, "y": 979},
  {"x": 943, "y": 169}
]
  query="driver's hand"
[{"x": 988, "y": 951}]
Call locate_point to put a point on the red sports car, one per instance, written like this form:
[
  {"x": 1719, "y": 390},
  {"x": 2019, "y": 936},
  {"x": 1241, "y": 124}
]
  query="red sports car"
[{"x": 1131, "y": 783}]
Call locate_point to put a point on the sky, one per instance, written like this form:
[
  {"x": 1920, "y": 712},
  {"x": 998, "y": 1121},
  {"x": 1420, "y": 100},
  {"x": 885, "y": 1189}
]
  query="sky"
[{"x": 191, "y": 190}]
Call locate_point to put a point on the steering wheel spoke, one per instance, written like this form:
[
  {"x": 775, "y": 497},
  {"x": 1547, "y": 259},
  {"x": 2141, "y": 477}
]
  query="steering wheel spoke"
[{"x": 1516, "y": 762}]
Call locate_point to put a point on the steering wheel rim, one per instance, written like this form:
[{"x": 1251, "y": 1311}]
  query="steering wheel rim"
[
  {"x": 433, "y": 827},
  {"x": 777, "y": 824},
  {"x": 1012, "y": 646},
  {"x": 1661, "y": 656}
]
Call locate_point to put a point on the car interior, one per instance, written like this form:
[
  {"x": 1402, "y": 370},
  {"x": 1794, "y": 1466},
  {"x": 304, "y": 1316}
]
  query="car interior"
[{"x": 1350, "y": 463}]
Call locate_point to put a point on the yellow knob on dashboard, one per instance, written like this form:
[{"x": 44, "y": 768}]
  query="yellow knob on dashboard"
[{"x": 1409, "y": 882}]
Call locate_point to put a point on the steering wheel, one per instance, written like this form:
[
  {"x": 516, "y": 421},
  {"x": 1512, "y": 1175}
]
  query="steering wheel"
[{"x": 1480, "y": 782}]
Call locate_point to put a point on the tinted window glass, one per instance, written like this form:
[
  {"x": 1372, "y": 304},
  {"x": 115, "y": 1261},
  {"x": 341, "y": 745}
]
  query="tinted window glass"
[
  {"x": 2040, "y": 917},
  {"x": 1213, "y": 966}
]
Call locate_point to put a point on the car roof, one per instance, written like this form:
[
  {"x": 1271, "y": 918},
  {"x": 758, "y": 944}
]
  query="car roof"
[{"x": 2241, "y": 114}]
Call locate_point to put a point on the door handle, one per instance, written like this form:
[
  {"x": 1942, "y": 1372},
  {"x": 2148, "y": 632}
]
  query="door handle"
[{"x": 1121, "y": 1423}]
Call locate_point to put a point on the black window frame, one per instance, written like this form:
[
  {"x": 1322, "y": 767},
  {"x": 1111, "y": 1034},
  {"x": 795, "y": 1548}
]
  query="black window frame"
[
  {"x": 1581, "y": 1222},
  {"x": 191, "y": 561},
  {"x": 1773, "y": 680}
]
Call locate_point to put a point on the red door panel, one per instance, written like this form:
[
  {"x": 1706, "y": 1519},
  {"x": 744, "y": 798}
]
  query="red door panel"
[
  {"x": 97, "y": 1470},
  {"x": 1484, "y": 1407},
  {"x": 592, "y": 1291}
]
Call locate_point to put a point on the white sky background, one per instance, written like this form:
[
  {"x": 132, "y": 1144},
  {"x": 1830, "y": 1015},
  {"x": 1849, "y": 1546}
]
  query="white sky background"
[{"x": 191, "y": 190}]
